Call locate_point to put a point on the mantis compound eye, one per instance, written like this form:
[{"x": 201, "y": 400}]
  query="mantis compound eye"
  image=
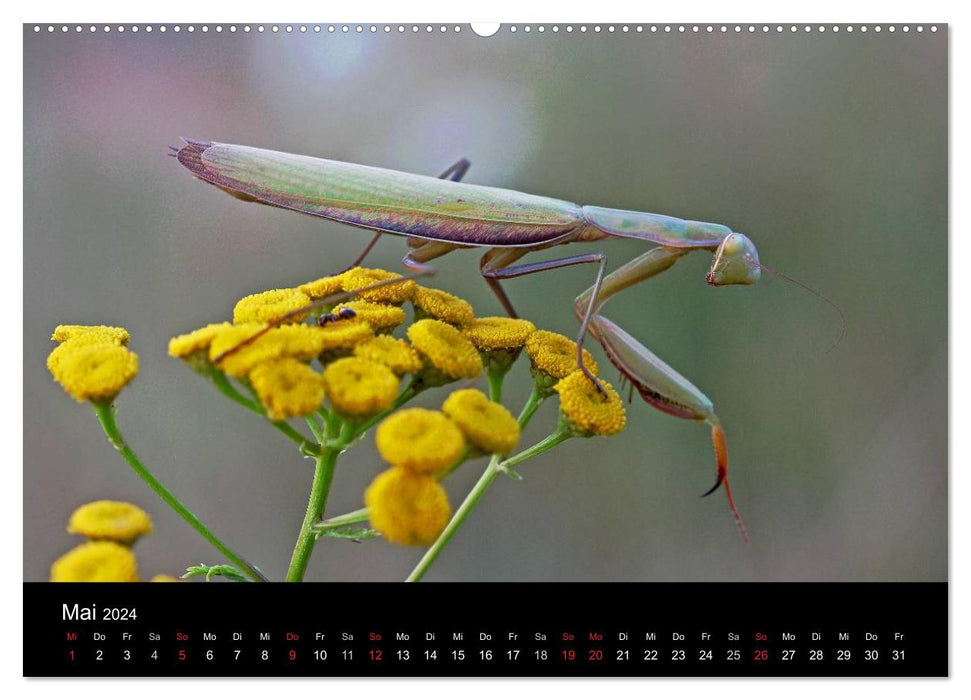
[{"x": 736, "y": 262}]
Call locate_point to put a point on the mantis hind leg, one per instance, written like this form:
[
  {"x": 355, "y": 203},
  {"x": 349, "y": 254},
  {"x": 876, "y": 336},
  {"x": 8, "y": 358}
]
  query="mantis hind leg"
[
  {"x": 455, "y": 172},
  {"x": 495, "y": 266}
]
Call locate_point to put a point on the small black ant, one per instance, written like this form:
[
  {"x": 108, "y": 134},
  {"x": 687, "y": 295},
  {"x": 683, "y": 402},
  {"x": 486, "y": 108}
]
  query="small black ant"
[{"x": 342, "y": 315}]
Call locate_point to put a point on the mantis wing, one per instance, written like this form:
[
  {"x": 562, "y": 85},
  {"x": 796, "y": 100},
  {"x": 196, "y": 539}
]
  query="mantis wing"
[{"x": 383, "y": 200}]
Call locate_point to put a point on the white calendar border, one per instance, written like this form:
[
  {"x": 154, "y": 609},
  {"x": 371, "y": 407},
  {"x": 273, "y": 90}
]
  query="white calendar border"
[{"x": 441, "y": 11}]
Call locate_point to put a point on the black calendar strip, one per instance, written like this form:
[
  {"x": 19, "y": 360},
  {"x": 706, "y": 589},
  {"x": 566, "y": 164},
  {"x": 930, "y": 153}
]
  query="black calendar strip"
[{"x": 575, "y": 629}]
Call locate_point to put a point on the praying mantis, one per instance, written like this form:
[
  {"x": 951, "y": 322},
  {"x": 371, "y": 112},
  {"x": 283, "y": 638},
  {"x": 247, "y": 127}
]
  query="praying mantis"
[{"x": 443, "y": 214}]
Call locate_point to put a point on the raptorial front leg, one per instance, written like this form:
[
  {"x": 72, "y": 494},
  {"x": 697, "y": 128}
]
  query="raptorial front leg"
[
  {"x": 644, "y": 266},
  {"x": 667, "y": 390},
  {"x": 656, "y": 382}
]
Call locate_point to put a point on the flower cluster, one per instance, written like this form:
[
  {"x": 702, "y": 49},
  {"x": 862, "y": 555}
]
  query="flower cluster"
[
  {"x": 361, "y": 362},
  {"x": 111, "y": 529},
  {"x": 406, "y": 503},
  {"x": 340, "y": 353}
]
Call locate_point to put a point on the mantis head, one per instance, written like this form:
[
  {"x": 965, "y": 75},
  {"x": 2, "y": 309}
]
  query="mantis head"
[{"x": 736, "y": 262}]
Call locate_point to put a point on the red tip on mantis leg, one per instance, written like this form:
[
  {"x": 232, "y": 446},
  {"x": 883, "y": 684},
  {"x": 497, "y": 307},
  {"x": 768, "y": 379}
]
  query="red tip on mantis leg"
[
  {"x": 666, "y": 390},
  {"x": 721, "y": 460}
]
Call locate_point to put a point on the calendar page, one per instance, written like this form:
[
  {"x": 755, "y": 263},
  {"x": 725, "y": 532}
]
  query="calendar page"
[{"x": 514, "y": 350}]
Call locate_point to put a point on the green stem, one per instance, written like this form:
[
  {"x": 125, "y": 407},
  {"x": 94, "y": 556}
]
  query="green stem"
[
  {"x": 468, "y": 505},
  {"x": 331, "y": 422},
  {"x": 475, "y": 495},
  {"x": 294, "y": 434},
  {"x": 315, "y": 429},
  {"x": 532, "y": 403},
  {"x": 355, "y": 516},
  {"x": 227, "y": 389},
  {"x": 323, "y": 476},
  {"x": 549, "y": 442},
  {"x": 106, "y": 415},
  {"x": 495, "y": 385}
]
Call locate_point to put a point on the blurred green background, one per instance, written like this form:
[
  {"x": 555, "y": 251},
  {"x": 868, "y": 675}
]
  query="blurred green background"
[{"x": 829, "y": 151}]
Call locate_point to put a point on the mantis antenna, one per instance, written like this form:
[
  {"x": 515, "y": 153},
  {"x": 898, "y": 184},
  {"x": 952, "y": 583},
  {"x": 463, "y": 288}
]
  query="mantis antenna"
[{"x": 818, "y": 295}]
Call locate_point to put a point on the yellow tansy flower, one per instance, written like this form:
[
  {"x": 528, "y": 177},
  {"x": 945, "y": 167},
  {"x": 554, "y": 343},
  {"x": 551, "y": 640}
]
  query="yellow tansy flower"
[
  {"x": 394, "y": 353},
  {"x": 420, "y": 440},
  {"x": 342, "y": 337},
  {"x": 110, "y": 520},
  {"x": 359, "y": 388},
  {"x": 113, "y": 334},
  {"x": 323, "y": 287},
  {"x": 382, "y": 318},
  {"x": 71, "y": 337},
  {"x": 298, "y": 341},
  {"x": 92, "y": 372},
  {"x": 96, "y": 562},
  {"x": 446, "y": 350},
  {"x": 407, "y": 508},
  {"x": 198, "y": 340},
  {"x": 486, "y": 424},
  {"x": 499, "y": 340},
  {"x": 287, "y": 388},
  {"x": 553, "y": 356},
  {"x": 556, "y": 355},
  {"x": 587, "y": 411},
  {"x": 434, "y": 303},
  {"x": 499, "y": 332},
  {"x": 269, "y": 306},
  {"x": 396, "y": 293},
  {"x": 69, "y": 346}
]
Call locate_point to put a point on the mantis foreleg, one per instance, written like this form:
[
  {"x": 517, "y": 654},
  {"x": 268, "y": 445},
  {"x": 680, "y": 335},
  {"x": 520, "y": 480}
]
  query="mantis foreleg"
[
  {"x": 647, "y": 265},
  {"x": 656, "y": 382}
]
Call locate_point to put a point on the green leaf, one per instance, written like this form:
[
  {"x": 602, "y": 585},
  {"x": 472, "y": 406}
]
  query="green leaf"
[
  {"x": 511, "y": 473},
  {"x": 224, "y": 570},
  {"x": 350, "y": 533}
]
